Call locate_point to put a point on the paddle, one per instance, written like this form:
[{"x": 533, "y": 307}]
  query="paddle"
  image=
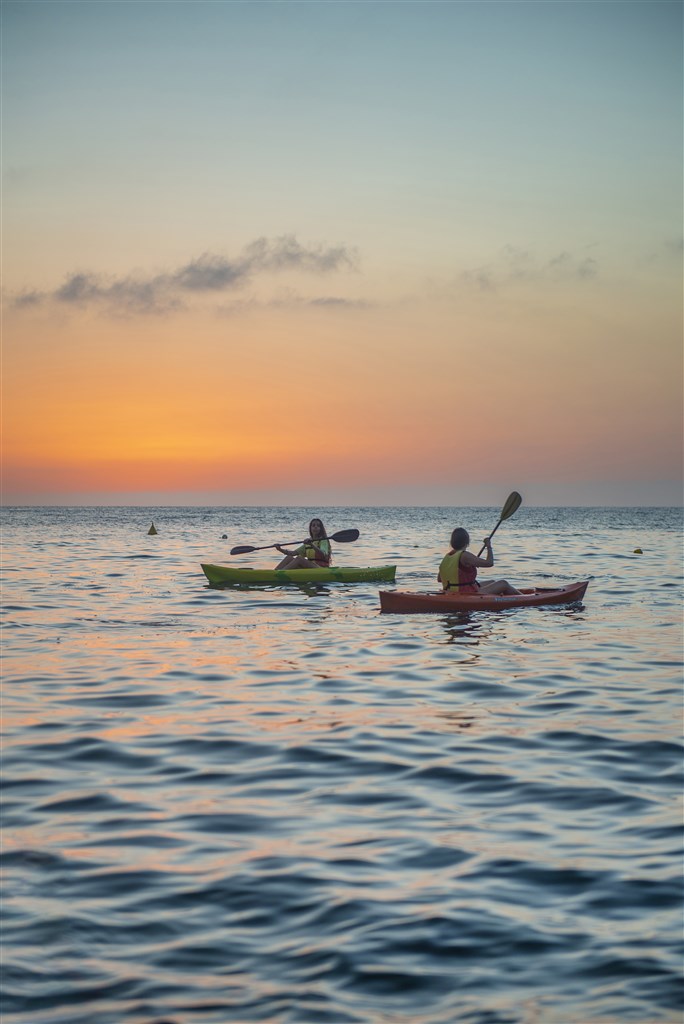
[
  {"x": 342, "y": 537},
  {"x": 511, "y": 505}
]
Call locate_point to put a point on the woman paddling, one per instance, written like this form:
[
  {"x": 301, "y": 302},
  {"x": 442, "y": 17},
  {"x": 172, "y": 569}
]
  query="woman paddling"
[
  {"x": 313, "y": 553},
  {"x": 458, "y": 568}
]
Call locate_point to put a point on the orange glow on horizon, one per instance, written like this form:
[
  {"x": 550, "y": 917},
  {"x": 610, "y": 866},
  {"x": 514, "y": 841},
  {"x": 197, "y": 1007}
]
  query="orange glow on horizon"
[{"x": 215, "y": 406}]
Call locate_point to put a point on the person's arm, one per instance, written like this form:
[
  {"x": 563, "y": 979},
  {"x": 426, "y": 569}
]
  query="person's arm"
[
  {"x": 468, "y": 558},
  {"x": 284, "y": 551}
]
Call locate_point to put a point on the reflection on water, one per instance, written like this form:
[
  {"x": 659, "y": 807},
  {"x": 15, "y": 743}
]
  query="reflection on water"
[
  {"x": 464, "y": 629},
  {"x": 276, "y": 804}
]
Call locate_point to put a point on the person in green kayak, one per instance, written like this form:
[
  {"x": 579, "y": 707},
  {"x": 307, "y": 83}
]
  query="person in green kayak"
[
  {"x": 314, "y": 553},
  {"x": 458, "y": 568}
]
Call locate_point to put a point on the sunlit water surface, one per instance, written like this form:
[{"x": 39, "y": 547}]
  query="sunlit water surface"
[{"x": 279, "y": 805}]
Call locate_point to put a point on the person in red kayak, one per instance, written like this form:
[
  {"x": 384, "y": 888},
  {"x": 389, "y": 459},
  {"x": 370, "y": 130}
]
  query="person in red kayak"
[
  {"x": 314, "y": 553},
  {"x": 458, "y": 568}
]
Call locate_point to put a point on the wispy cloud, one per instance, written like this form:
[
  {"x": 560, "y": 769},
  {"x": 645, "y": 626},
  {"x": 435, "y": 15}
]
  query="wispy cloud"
[
  {"x": 208, "y": 274},
  {"x": 291, "y": 300},
  {"x": 513, "y": 265},
  {"x": 668, "y": 254}
]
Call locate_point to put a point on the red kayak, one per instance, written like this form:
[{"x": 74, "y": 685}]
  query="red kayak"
[{"x": 449, "y": 601}]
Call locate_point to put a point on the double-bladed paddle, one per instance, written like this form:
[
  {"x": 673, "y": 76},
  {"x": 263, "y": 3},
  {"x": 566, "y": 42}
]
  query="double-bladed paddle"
[
  {"x": 511, "y": 505},
  {"x": 342, "y": 537}
]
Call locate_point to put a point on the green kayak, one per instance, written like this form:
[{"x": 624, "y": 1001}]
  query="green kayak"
[{"x": 218, "y": 574}]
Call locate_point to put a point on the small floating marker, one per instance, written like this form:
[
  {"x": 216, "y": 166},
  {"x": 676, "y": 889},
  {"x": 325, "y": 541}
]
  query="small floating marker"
[
  {"x": 152, "y": 529},
  {"x": 224, "y": 536},
  {"x": 638, "y": 551}
]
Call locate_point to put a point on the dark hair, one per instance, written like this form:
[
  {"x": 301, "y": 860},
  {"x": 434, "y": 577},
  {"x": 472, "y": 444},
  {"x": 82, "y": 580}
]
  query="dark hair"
[
  {"x": 317, "y": 520},
  {"x": 460, "y": 539}
]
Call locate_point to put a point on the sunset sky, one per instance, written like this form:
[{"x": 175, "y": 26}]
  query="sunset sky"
[{"x": 342, "y": 253}]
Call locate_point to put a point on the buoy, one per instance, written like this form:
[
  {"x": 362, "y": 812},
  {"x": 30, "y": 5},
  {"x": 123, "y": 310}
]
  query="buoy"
[
  {"x": 224, "y": 536},
  {"x": 638, "y": 551},
  {"x": 152, "y": 529}
]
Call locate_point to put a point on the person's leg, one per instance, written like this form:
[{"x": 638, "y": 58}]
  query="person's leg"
[
  {"x": 498, "y": 587},
  {"x": 288, "y": 562},
  {"x": 300, "y": 562}
]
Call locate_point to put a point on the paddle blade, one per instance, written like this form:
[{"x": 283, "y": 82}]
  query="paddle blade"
[
  {"x": 245, "y": 549},
  {"x": 513, "y": 503},
  {"x": 345, "y": 536}
]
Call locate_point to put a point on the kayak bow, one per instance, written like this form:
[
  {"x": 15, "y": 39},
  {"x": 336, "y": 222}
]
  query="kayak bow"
[{"x": 399, "y": 601}]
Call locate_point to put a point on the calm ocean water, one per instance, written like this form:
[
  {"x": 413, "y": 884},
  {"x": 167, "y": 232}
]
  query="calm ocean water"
[{"x": 279, "y": 805}]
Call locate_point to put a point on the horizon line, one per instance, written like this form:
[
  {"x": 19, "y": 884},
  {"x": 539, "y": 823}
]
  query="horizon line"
[{"x": 46, "y": 504}]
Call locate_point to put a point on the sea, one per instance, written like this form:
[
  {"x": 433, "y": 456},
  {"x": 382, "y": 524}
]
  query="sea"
[{"x": 278, "y": 804}]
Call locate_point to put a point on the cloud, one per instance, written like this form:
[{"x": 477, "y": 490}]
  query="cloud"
[
  {"x": 332, "y": 300},
  {"x": 667, "y": 254},
  {"x": 286, "y": 253},
  {"x": 292, "y": 300},
  {"x": 513, "y": 265},
  {"x": 208, "y": 274},
  {"x": 25, "y": 300},
  {"x": 675, "y": 247},
  {"x": 587, "y": 268}
]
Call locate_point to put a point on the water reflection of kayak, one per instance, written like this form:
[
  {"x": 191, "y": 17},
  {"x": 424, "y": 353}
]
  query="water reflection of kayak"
[
  {"x": 448, "y": 601},
  {"x": 219, "y": 574}
]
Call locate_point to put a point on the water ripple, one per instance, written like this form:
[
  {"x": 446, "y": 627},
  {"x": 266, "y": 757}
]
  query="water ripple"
[{"x": 226, "y": 806}]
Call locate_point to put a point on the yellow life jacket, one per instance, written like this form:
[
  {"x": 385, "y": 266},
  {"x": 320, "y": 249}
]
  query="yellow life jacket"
[
  {"x": 448, "y": 569},
  {"x": 321, "y": 552}
]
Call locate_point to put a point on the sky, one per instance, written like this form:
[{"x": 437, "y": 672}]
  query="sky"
[{"x": 357, "y": 252}]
